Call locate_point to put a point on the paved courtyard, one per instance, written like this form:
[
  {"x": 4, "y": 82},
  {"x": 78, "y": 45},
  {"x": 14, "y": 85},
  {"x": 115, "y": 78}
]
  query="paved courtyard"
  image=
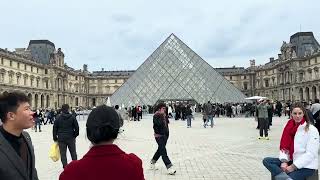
[{"x": 229, "y": 150}]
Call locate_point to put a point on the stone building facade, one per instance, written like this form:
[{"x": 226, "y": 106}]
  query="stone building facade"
[
  {"x": 293, "y": 76},
  {"x": 41, "y": 72},
  {"x": 49, "y": 83}
]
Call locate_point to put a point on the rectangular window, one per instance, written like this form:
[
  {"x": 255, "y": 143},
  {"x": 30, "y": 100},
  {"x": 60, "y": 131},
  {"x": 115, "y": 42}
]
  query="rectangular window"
[
  {"x": 300, "y": 77},
  {"x": 1, "y": 77},
  {"x": 47, "y": 85},
  {"x": 31, "y": 69},
  {"x": 37, "y": 70},
  {"x": 10, "y": 63},
  {"x": 266, "y": 83},
  {"x": 316, "y": 60},
  {"x": 244, "y": 77},
  {"x": 230, "y": 77},
  {"x": 76, "y": 77},
  {"x": 1, "y": 61},
  {"x": 245, "y": 86},
  {"x": 18, "y": 65},
  {"x": 266, "y": 72},
  {"x": 18, "y": 79},
  {"x": 10, "y": 79},
  {"x": 25, "y": 67},
  {"x": 46, "y": 71}
]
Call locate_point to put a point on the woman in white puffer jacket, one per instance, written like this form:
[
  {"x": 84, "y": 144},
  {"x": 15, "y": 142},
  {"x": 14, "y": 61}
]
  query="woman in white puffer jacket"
[{"x": 299, "y": 146}]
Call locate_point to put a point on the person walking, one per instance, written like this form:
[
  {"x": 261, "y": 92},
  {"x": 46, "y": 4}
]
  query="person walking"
[
  {"x": 17, "y": 159},
  {"x": 161, "y": 135},
  {"x": 279, "y": 108},
  {"x": 65, "y": 131},
  {"x": 270, "y": 113},
  {"x": 37, "y": 118},
  {"x": 208, "y": 111},
  {"x": 104, "y": 160},
  {"x": 189, "y": 116}
]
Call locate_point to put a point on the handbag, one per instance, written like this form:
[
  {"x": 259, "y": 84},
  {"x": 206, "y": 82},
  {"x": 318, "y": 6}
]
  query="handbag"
[{"x": 54, "y": 152}]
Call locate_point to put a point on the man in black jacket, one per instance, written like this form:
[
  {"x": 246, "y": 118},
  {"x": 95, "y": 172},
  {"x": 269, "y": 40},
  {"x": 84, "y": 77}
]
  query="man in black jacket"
[
  {"x": 161, "y": 134},
  {"x": 17, "y": 160},
  {"x": 65, "y": 131}
]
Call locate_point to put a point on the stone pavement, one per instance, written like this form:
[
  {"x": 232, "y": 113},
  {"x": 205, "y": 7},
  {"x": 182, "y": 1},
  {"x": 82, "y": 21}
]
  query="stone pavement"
[{"x": 229, "y": 150}]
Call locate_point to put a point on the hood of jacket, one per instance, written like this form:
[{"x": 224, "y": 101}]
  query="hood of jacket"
[{"x": 66, "y": 115}]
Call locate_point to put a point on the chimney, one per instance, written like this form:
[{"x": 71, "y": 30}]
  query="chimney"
[
  {"x": 85, "y": 67},
  {"x": 279, "y": 56},
  {"x": 271, "y": 59},
  {"x": 102, "y": 69},
  {"x": 252, "y": 63}
]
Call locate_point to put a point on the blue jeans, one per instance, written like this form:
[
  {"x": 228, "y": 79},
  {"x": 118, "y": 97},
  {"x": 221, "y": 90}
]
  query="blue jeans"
[
  {"x": 189, "y": 120},
  {"x": 273, "y": 165},
  {"x": 37, "y": 124},
  {"x": 210, "y": 118}
]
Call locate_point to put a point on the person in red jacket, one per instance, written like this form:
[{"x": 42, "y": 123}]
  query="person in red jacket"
[{"x": 104, "y": 160}]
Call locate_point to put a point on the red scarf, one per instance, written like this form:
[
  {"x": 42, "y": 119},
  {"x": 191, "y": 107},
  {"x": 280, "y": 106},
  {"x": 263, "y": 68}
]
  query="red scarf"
[{"x": 287, "y": 138}]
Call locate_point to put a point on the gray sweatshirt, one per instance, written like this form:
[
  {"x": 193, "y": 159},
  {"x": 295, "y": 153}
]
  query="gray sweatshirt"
[{"x": 262, "y": 110}]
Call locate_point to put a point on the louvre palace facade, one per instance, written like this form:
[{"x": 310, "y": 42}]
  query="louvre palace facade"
[
  {"x": 292, "y": 76},
  {"x": 41, "y": 72}
]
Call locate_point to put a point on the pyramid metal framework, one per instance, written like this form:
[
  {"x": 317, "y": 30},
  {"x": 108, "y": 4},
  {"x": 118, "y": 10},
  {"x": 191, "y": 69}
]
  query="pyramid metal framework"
[{"x": 175, "y": 72}]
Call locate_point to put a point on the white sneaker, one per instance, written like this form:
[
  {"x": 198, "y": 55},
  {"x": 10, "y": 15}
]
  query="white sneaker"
[
  {"x": 152, "y": 166},
  {"x": 172, "y": 171}
]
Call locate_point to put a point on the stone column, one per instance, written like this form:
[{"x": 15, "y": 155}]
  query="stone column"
[
  {"x": 37, "y": 101},
  {"x": 306, "y": 93},
  {"x": 44, "y": 101},
  {"x": 33, "y": 106},
  {"x": 318, "y": 91},
  {"x": 289, "y": 93}
]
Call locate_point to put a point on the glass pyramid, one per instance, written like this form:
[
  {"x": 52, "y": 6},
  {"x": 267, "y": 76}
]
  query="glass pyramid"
[{"x": 175, "y": 72}]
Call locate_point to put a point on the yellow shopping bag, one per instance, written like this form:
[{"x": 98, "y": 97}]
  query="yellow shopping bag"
[{"x": 54, "y": 152}]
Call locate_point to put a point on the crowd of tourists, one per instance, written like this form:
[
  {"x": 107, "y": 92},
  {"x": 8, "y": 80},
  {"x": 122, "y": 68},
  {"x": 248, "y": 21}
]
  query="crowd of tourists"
[{"x": 298, "y": 152}]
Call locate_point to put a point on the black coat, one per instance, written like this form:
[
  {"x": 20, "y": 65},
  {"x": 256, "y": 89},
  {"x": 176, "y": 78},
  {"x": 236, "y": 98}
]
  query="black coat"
[
  {"x": 188, "y": 112},
  {"x": 65, "y": 127},
  {"x": 11, "y": 164},
  {"x": 160, "y": 124}
]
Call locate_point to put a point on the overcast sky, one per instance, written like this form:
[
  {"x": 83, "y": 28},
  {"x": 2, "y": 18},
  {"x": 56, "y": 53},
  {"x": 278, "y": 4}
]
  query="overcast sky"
[{"x": 120, "y": 35}]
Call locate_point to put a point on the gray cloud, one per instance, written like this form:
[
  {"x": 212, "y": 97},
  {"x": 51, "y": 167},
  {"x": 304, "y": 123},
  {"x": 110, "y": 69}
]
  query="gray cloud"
[{"x": 122, "y": 34}]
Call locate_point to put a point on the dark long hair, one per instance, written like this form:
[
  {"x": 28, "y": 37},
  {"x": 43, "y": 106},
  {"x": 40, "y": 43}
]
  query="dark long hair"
[{"x": 305, "y": 114}]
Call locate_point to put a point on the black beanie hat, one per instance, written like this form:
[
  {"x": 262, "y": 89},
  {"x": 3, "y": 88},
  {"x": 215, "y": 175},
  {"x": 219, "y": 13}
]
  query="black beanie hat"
[{"x": 103, "y": 116}]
